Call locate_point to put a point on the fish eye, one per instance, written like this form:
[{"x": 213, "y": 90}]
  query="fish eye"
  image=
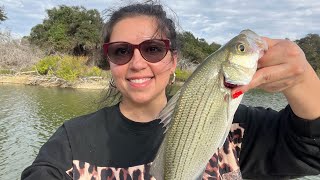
[{"x": 241, "y": 48}]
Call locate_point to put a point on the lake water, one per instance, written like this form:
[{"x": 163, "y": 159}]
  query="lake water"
[{"x": 29, "y": 115}]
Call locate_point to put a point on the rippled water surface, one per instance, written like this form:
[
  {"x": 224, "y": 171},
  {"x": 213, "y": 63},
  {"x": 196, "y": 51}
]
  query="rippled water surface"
[{"x": 30, "y": 115}]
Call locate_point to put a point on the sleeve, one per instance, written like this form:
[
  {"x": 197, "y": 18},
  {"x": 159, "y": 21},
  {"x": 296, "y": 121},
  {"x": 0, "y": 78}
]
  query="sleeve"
[
  {"x": 278, "y": 144},
  {"x": 53, "y": 160}
]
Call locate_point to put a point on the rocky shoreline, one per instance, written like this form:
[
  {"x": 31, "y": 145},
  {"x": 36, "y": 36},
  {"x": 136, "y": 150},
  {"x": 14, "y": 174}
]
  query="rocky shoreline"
[{"x": 52, "y": 81}]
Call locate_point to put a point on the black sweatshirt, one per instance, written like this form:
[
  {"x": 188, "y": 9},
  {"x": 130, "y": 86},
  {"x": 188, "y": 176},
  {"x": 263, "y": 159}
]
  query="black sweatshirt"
[{"x": 263, "y": 143}]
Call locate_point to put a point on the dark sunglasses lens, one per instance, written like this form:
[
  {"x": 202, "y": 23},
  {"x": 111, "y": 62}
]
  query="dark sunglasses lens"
[
  {"x": 120, "y": 53},
  {"x": 153, "y": 50}
]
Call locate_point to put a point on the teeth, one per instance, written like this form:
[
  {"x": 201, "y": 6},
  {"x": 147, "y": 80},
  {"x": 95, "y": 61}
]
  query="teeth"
[{"x": 140, "y": 80}]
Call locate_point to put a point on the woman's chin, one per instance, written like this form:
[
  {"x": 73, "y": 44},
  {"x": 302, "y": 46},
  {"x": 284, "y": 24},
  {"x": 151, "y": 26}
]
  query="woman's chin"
[{"x": 145, "y": 99}]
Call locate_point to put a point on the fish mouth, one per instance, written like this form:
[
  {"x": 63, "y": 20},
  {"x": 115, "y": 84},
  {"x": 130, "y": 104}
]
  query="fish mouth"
[{"x": 229, "y": 85}]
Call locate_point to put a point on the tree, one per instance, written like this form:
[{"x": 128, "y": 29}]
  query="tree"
[
  {"x": 311, "y": 47},
  {"x": 194, "y": 49},
  {"x": 68, "y": 30},
  {"x": 3, "y": 16}
]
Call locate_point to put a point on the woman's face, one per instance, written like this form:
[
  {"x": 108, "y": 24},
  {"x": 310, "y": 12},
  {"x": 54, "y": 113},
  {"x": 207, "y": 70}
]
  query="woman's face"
[{"x": 139, "y": 81}]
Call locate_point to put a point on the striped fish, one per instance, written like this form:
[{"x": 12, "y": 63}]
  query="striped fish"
[{"x": 198, "y": 118}]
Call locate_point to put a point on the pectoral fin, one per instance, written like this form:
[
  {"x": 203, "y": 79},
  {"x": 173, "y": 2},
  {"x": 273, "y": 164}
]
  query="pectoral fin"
[
  {"x": 157, "y": 166},
  {"x": 167, "y": 113}
]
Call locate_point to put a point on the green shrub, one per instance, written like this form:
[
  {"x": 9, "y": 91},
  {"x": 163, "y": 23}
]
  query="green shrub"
[
  {"x": 70, "y": 68},
  {"x": 47, "y": 65},
  {"x": 92, "y": 71},
  {"x": 182, "y": 75}
]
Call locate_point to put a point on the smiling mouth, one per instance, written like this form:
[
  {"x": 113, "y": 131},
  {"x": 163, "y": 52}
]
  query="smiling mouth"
[{"x": 139, "y": 81}]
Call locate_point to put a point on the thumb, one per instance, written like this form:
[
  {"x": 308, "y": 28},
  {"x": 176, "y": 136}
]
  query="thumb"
[{"x": 256, "y": 81}]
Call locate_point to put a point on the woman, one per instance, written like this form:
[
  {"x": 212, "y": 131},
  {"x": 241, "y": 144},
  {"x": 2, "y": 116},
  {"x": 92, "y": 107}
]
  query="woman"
[{"x": 120, "y": 141}]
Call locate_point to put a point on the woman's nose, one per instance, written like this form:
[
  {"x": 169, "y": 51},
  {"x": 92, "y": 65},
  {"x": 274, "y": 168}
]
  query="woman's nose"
[{"x": 137, "y": 62}]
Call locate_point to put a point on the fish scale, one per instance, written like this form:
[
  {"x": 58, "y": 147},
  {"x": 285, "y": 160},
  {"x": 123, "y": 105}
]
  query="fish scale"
[
  {"x": 198, "y": 118},
  {"x": 202, "y": 128}
]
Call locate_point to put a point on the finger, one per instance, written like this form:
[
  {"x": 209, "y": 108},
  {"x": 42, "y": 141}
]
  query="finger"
[
  {"x": 271, "y": 42},
  {"x": 274, "y": 55},
  {"x": 283, "y": 52},
  {"x": 278, "y": 86},
  {"x": 267, "y": 75}
]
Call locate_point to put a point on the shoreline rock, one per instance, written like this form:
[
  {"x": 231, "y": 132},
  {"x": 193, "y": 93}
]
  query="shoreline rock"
[{"x": 52, "y": 81}]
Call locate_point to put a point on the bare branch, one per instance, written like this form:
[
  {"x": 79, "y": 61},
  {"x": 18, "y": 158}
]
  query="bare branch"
[{"x": 17, "y": 54}]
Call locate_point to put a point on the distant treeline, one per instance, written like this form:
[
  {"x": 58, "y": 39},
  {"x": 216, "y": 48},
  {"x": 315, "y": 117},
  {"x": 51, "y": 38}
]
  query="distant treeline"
[{"x": 77, "y": 31}]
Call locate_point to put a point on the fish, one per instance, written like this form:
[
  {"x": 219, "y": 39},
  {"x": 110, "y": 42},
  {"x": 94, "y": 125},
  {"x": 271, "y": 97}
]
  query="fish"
[{"x": 198, "y": 118}]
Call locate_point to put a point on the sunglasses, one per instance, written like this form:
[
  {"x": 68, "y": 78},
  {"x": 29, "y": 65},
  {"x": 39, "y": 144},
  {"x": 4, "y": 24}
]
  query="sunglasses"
[{"x": 152, "y": 50}]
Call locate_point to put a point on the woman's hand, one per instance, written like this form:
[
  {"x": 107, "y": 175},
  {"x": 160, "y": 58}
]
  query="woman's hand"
[{"x": 284, "y": 68}]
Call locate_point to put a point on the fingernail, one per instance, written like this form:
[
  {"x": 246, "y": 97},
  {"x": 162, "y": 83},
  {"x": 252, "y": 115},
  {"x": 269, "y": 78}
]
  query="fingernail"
[{"x": 236, "y": 94}]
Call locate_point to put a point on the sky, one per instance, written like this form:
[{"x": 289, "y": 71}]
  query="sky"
[{"x": 214, "y": 20}]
